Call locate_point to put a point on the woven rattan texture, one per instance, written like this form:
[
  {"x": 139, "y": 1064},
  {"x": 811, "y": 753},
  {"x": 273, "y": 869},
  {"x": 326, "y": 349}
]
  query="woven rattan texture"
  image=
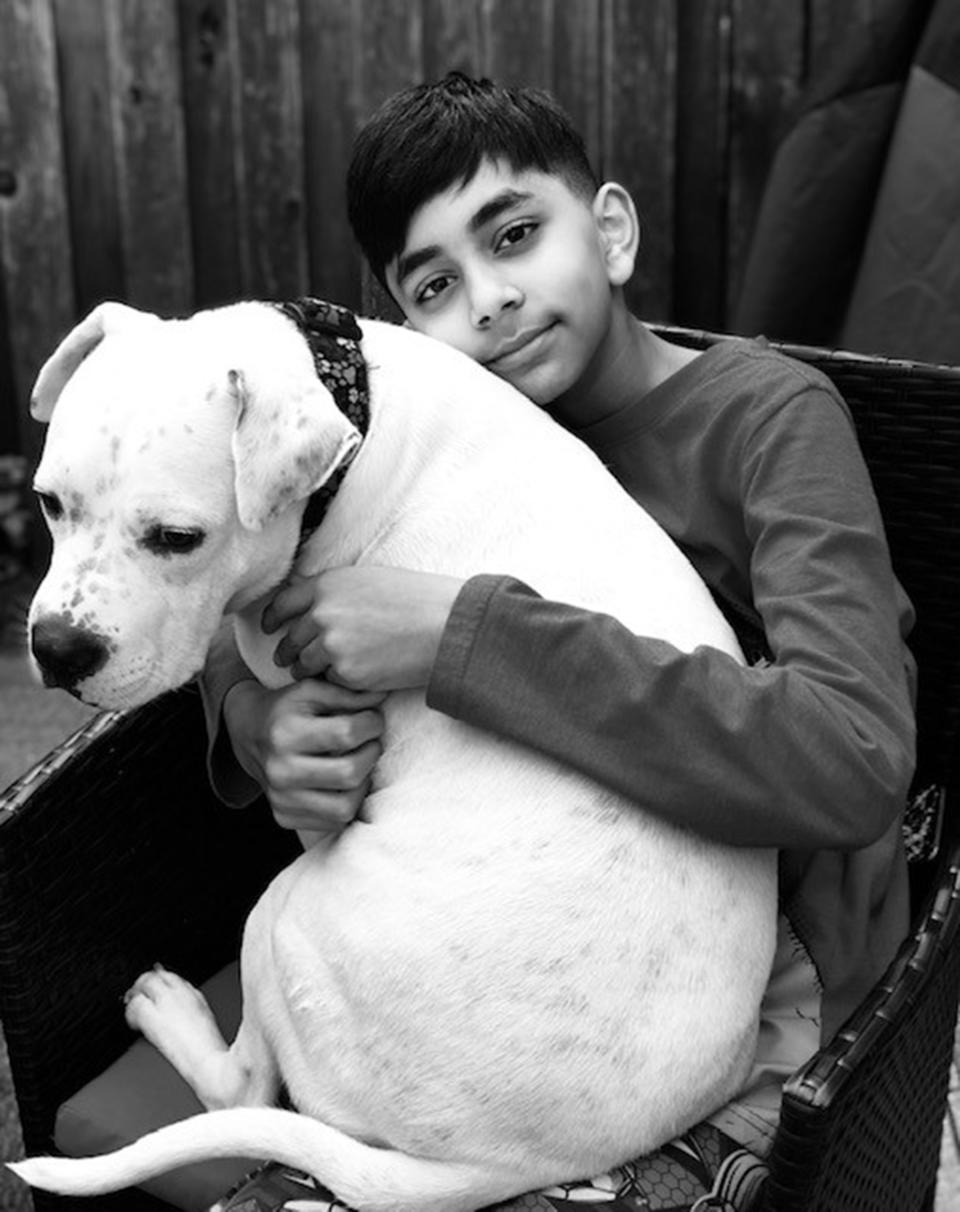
[
  {"x": 860, "y": 1128},
  {"x": 119, "y": 859}
]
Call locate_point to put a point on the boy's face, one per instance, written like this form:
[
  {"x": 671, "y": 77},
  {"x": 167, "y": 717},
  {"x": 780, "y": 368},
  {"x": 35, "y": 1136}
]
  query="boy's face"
[{"x": 510, "y": 269}]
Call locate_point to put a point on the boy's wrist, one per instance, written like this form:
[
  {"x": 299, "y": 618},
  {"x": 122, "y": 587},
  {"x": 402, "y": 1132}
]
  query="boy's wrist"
[
  {"x": 234, "y": 780},
  {"x": 236, "y": 698},
  {"x": 238, "y": 703}
]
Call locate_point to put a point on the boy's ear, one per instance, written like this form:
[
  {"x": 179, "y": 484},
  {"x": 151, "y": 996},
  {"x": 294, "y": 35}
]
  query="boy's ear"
[{"x": 619, "y": 230}]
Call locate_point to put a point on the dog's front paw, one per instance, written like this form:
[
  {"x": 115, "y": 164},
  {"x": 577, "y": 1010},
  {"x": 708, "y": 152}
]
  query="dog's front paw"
[{"x": 172, "y": 1014}]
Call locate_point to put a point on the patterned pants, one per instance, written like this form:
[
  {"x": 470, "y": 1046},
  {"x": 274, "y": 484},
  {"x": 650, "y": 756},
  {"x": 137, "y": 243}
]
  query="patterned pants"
[{"x": 702, "y": 1171}]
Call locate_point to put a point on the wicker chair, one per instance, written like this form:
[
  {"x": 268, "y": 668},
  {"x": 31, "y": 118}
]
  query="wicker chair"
[{"x": 114, "y": 854}]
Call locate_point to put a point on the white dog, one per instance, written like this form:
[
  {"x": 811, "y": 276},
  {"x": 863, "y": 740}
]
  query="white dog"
[{"x": 504, "y": 976}]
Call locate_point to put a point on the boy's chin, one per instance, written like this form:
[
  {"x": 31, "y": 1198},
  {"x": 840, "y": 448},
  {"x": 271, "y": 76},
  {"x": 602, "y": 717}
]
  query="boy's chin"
[{"x": 542, "y": 385}]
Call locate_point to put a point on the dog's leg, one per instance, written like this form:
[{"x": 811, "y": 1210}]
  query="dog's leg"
[{"x": 176, "y": 1019}]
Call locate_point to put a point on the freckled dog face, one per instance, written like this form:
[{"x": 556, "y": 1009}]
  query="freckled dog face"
[
  {"x": 176, "y": 465},
  {"x": 137, "y": 492}
]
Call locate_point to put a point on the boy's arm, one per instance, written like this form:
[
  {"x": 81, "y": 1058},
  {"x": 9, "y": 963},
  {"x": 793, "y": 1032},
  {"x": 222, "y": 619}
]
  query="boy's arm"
[{"x": 813, "y": 752}]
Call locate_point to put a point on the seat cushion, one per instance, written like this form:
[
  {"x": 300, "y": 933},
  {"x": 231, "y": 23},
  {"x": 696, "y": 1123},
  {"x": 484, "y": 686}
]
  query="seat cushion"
[{"x": 142, "y": 1091}]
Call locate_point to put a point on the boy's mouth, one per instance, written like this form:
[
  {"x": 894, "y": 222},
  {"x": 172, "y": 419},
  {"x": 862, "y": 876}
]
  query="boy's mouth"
[{"x": 520, "y": 348}]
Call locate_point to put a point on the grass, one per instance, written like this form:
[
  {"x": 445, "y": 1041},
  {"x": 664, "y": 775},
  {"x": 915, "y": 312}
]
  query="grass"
[{"x": 34, "y": 721}]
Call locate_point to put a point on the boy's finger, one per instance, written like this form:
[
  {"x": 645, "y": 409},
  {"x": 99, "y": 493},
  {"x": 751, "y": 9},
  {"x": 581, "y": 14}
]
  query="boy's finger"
[
  {"x": 284, "y": 652},
  {"x": 298, "y": 634},
  {"x": 288, "y": 602},
  {"x": 311, "y": 660},
  {"x": 327, "y": 698},
  {"x": 289, "y": 649},
  {"x": 325, "y": 734}
]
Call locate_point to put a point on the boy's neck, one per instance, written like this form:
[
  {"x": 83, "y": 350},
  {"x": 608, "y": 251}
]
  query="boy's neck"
[{"x": 630, "y": 362}]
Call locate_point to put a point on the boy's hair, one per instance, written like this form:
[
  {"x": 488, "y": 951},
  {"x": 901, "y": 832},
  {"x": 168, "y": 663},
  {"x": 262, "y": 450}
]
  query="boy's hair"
[{"x": 429, "y": 137}]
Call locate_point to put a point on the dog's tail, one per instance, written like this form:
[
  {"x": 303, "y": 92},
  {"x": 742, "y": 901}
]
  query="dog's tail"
[{"x": 363, "y": 1176}]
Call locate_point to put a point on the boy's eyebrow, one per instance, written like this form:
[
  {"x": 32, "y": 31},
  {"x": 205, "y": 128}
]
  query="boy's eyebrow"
[
  {"x": 507, "y": 199},
  {"x": 408, "y": 263}
]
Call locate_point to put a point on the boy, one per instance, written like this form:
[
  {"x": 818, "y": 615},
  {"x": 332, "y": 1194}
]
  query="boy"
[{"x": 477, "y": 209}]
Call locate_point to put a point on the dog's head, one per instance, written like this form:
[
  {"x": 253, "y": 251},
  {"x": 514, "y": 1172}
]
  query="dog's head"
[{"x": 176, "y": 465}]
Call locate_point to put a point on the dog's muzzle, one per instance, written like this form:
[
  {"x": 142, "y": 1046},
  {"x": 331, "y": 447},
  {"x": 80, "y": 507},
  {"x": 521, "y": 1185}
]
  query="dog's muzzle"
[{"x": 65, "y": 653}]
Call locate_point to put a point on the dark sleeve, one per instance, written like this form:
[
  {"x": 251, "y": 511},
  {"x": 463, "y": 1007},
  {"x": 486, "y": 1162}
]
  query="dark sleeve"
[{"x": 812, "y": 752}]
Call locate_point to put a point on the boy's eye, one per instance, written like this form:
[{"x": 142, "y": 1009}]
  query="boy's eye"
[
  {"x": 433, "y": 287},
  {"x": 516, "y": 233}
]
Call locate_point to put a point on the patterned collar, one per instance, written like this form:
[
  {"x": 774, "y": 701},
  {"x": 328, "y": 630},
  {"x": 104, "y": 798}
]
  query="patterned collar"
[{"x": 334, "y": 337}]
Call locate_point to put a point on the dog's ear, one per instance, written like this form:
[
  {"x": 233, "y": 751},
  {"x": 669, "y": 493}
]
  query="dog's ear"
[
  {"x": 285, "y": 445},
  {"x": 76, "y": 345}
]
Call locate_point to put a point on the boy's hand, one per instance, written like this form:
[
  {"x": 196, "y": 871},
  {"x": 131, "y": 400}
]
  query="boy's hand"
[
  {"x": 311, "y": 746},
  {"x": 371, "y": 627}
]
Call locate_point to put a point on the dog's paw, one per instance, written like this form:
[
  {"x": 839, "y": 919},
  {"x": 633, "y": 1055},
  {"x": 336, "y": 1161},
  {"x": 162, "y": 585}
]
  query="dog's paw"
[{"x": 171, "y": 1013}]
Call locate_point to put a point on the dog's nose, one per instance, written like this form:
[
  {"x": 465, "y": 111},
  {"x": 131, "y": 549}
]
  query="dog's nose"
[{"x": 66, "y": 653}]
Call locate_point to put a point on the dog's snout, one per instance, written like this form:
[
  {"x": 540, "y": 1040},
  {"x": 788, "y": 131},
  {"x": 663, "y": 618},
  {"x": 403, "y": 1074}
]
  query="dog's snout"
[{"x": 65, "y": 652}]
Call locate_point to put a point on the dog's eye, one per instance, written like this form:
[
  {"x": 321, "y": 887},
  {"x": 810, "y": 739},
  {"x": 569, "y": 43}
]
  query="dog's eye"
[
  {"x": 51, "y": 505},
  {"x": 172, "y": 540}
]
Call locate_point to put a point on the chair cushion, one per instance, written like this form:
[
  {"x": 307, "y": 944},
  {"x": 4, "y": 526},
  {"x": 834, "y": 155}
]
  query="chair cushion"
[{"x": 142, "y": 1091}]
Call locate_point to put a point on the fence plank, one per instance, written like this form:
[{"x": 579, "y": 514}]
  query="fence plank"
[
  {"x": 147, "y": 114},
  {"x": 330, "y": 91},
  {"x": 35, "y": 257},
  {"x": 639, "y": 57},
  {"x": 767, "y": 54},
  {"x": 389, "y": 44},
  {"x": 832, "y": 26},
  {"x": 576, "y": 70},
  {"x": 452, "y": 38},
  {"x": 85, "y": 101},
  {"x": 516, "y": 41},
  {"x": 703, "y": 146},
  {"x": 270, "y": 160},
  {"x": 208, "y": 67}
]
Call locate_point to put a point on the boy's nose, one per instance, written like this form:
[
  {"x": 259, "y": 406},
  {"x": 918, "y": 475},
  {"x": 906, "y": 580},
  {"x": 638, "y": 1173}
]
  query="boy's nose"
[{"x": 490, "y": 297}]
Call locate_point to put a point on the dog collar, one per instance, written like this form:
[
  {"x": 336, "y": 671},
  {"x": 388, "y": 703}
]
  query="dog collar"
[{"x": 334, "y": 337}]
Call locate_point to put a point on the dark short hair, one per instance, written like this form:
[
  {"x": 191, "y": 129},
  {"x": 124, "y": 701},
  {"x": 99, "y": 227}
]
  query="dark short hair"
[{"x": 428, "y": 137}]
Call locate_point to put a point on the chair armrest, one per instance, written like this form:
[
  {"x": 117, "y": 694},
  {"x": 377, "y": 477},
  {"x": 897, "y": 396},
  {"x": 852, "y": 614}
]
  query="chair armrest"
[
  {"x": 115, "y": 855},
  {"x": 861, "y": 1121}
]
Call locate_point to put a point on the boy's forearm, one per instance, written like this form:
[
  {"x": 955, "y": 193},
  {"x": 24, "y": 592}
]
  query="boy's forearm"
[{"x": 765, "y": 757}]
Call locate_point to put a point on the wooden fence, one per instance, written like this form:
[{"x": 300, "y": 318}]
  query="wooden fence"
[{"x": 181, "y": 153}]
